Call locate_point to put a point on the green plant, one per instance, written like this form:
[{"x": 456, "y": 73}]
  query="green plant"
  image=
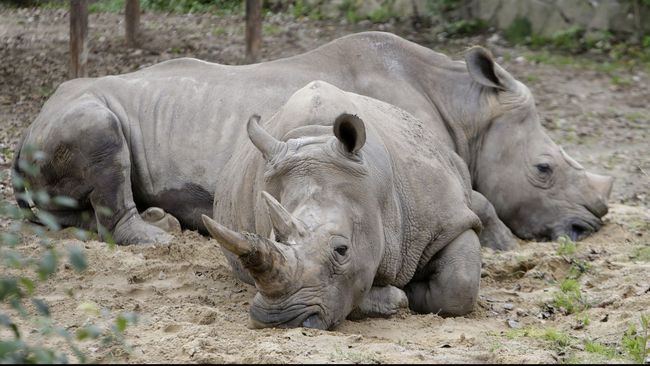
[
  {"x": 600, "y": 349},
  {"x": 519, "y": 31},
  {"x": 635, "y": 340},
  {"x": 568, "y": 39},
  {"x": 583, "y": 319},
  {"x": 555, "y": 337},
  {"x": 566, "y": 246},
  {"x": 466, "y": 27},
  {"x": 381, "y": 14},
  {"x": 21, "y": 276},
  {"x": 570, "y": 297}
]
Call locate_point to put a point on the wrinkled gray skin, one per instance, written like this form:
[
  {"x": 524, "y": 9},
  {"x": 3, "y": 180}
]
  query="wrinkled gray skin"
[
  {"x": 371, "y": 202},
  {"x": 157, "y": 137}
]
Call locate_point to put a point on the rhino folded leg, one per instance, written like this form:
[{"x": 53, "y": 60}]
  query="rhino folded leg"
[
  {"x": 452, "y": 287},
  {"x": 381, "y": 301},
  {"x": 89, "y": 161},
  {"x": 495, "y": 233},
  {"x": 157, "y": 217}
]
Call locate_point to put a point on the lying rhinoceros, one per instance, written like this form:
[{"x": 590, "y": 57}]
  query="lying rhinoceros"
[
  {"x": 360, "y": 196},
  {"x": 153, "y": 138}
]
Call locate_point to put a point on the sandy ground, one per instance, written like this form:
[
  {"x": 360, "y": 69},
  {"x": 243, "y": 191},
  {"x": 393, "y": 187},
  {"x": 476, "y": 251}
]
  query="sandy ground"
[{"x": 193, "y": 310}]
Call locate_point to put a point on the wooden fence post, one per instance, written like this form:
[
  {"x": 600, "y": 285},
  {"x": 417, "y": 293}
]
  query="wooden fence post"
[
  {"x": 253, "y": 29},
  {"x": 78, "y": 38},
  {"x": 132, "y": 21}
]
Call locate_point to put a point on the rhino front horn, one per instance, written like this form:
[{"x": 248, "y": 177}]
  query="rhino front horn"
[
  {"x": 284, "y": 224},
  {"x": 232, "y": 241},
  {"x": 265, "y": 143}
]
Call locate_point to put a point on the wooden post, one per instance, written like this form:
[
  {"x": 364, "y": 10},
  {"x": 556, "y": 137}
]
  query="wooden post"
[
  {"x": 253, "y": 29},
  {"x": 78, "y": 38},
  {"x": 132, "y": 21}
]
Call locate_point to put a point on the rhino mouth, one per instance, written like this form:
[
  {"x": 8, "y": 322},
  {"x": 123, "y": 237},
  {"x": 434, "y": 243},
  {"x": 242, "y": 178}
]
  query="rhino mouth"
[
  {"x": 580, "y": 229},
  {"x": 292, "y": 317}
]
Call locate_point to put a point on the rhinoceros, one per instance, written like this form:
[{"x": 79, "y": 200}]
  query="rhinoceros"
[
  {"x": 359, "y": 199},
  {"x": 155, "y": 139}
]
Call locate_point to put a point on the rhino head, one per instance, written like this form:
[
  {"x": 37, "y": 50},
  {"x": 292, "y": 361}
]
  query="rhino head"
[
  {"x": 537, "y": 189},
  {"x": 327, "y": 239}
]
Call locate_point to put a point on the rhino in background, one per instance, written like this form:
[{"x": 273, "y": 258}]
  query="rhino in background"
[
  {"x": 362, "y": 200},
  {"x": 154, "y": 139}
]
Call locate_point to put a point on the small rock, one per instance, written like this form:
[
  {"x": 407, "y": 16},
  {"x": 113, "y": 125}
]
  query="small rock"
[
  {"x": 514, "y": 324},
  {"x": 520, "y": 60},
  {"x": 508, "y": 306},
  {"x": 162, "y": 275}
]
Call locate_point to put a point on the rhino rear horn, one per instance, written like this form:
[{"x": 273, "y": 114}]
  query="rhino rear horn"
[
  {"x": 268, "y": 145},
  {"x": 284, "y": 224}
]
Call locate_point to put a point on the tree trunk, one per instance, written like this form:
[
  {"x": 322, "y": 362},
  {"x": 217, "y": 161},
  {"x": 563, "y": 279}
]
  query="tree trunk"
[
  {"x": 78, "y": 38},
  {"x": 253, "y": 29},
  {"x": 132, "y": 21}
]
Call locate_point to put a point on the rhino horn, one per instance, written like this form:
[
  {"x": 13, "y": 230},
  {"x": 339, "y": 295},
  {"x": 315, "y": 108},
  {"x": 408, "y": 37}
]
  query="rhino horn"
[
  {"x": 268, "y": 145},
  {"x": 284, "y": 224},
  {"x": 260, "y": 256},
  {"x": 232, "y": 241}
]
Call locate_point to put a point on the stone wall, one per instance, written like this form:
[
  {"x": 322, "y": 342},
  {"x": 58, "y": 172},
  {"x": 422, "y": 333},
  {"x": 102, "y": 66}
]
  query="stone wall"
[
  {"x": 545, "y": 16},
  {"x": 549, "y": 16}
]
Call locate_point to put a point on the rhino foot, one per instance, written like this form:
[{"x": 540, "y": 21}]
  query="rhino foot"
[
  {"x": 381, "y": 301},
  {"x": 497, "y": 235},
  {"x": 135, "y": 231},
  {"x": 158, "y": 217}
]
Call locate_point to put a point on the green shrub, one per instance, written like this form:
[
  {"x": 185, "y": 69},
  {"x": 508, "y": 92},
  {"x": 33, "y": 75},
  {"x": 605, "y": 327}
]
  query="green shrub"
[
  {"x": 566, "y": 246},
  {"x": 21, "y": 275},
  {"x": 635, "y": 340},
  {"x": 519, "y": 31}
]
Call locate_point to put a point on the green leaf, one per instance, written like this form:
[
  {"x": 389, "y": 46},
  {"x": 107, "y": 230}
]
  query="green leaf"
[
  {"x": 121, "y": 323},
  {"x": 28, "y": 284},
  {"x": 41, "y": 307},
  {"x": 65, "y": 201},
  {"x": 9, "y": 288},
  {"x": 77, "y": 258},
  {"x": 7, "y": 322},
  {"x": 89, "y": 331},
  {"x": 48, "y": 220},
  {"x": 47, "y": 265},
  {"x": 27, "y": 168},
  {"x": 41, "y": 197},
  {"x": 9, "y": 239},
  {"x": 89, "y": 308},
  {"x": 14, "y": 259}
]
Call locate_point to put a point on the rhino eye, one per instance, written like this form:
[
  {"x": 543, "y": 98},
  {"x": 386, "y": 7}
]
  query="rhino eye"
[
  {"x": 544, "y": 168},
  {"x": 341, "y": 250}
]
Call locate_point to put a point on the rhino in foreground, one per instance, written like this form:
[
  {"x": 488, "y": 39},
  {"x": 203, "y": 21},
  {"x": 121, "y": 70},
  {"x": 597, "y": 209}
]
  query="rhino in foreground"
[
  {"x": 362, "y": 202},
  {"x": 156, "y": 138}
]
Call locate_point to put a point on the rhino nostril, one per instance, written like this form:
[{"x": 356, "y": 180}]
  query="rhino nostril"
[{"x": 577, "y": 232}]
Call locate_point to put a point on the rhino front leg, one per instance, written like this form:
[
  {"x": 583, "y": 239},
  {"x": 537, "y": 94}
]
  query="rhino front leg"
[
  {"x": 381, "y": 301},
  {"x": 495, "y": 233},
  {"x": 452, "y": 287}
]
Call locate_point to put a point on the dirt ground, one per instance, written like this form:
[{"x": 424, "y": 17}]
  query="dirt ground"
[{"x": 193, "y": 310}]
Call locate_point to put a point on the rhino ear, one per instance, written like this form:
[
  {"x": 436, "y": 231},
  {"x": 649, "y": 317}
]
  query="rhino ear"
[
  {"x": 350, "y": 131},
  {"x": 485, "y": 71}
]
